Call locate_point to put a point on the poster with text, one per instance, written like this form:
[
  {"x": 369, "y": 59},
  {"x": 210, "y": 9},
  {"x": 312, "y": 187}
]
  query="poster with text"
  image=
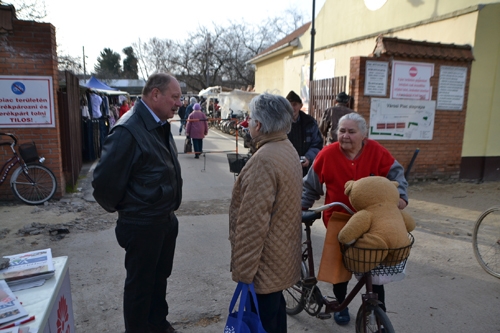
[
  {"x": 411, "y": 80},
  {"x": 376, "y": 78},
  {"x": 26, "y": 101},
  {"x": 392, "y": 119},
  {"x": 451, "y": 89}
]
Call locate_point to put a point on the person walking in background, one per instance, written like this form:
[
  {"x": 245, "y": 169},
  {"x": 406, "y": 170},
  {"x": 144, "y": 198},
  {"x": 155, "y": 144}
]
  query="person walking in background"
[
  {"x": 182, "y": 113},
  {"x": 189, "y": 108},
  {"x": 352, "y": 157},
  {"x": 304, "y": 135},
  {"x": 264, "y": 215},
  {"x": 139, "y": 176},
  {"x": 197, "y": 129},
  {"x": 123, "y": 108},
  {"x": 330, "y": 120}
]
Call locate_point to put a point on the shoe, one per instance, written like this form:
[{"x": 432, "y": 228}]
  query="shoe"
[
  {"x": 342, "y": 317},
  {"x": 196, "y": 156},
  {"x": 169, "y": 329}
]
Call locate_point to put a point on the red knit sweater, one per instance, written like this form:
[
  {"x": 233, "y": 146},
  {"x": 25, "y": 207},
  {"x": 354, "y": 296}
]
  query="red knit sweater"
[{"x": 334, "y": 169}]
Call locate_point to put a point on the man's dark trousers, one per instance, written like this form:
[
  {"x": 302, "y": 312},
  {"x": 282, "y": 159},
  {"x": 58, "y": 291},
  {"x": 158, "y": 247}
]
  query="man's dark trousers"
[{"x": 148, "y": 260}]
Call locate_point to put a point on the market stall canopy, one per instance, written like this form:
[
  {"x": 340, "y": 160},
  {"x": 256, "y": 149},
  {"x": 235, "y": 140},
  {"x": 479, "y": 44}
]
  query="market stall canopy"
[
  {"x": 100, "y": 87},
  {"x": 96, "y": 84}
]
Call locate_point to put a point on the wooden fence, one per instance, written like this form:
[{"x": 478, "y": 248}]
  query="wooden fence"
[{"x": 322, "y": 94}]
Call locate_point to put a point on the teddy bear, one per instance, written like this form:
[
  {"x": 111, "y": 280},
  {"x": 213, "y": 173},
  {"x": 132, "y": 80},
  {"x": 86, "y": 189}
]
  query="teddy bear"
[{"x": 377, "y": 224}]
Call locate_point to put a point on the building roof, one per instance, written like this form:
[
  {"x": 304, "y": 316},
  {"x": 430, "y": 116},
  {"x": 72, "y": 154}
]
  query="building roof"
[
  {"x": 289, "y": 40},
  {"x": 392, "y": 46}
]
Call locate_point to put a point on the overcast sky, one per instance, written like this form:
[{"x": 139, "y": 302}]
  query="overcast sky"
[{"x": 99, "y": 24}]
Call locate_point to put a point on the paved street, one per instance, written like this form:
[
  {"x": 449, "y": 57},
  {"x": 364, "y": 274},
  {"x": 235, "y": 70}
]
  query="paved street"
[{"x": 445, "y": 290}]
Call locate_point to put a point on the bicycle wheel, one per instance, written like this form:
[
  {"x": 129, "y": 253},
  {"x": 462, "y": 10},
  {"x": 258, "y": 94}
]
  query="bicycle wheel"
[
  {"x": 294, "y": 296},
  {"x": 486, "y": 241},
  {"x": 35, "y": 185},
  {"x": 376, "y": 319}
]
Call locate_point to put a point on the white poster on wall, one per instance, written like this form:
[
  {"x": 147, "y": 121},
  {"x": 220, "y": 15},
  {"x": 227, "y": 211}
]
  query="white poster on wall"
[
  {"x": 451, "y": 89},
  {"x": 324, "y": 69},
  {"x": 399, "y": 119},
  {"x": 376, "y": 73},
  {"x": 411, "y": 80},
  {"x": 26, "y": 101}
]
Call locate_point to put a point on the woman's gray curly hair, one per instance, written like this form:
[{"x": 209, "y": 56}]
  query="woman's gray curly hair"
[{"x": 274, "y": 112}]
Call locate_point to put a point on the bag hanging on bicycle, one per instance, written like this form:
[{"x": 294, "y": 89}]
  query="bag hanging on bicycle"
[{"x": 243, "y": 320}]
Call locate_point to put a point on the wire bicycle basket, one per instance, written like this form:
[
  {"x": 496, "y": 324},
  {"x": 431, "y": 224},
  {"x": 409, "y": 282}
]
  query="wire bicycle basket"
[
  {"x": 28, "y": 152},
  {"x": 376, "y": 261}
]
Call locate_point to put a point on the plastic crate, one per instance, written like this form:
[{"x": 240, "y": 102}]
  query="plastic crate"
[
  {"x": 28, "y": 152},
  {"x": 236, "y": 162}
]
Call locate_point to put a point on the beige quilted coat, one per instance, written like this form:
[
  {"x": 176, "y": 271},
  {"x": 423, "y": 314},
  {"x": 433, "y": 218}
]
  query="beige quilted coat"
[{"x": 265, "y": 217}]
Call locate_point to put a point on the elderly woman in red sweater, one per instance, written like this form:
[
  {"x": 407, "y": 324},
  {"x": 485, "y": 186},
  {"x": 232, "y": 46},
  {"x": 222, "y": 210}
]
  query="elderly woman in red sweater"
[
  {"x": 354, "y": 156},
  {"x": 197, "y": 129}
]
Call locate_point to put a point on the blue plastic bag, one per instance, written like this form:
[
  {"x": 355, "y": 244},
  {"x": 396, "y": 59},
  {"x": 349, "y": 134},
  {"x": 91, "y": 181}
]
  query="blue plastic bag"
[{"x": 243, "y": 320}]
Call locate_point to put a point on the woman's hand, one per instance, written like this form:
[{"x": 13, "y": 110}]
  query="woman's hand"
[{"x": 402, "y": 204}]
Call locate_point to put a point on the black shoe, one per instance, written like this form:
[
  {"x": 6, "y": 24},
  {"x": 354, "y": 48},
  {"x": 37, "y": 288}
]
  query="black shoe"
[
  {"x": 196, "y": 156},
  {"x": 342, "y": 317}
]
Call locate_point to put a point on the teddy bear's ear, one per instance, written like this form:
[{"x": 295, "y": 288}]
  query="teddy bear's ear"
[
  {"x": 348, "y": 187},
  {"x": 395, "y": 183}
]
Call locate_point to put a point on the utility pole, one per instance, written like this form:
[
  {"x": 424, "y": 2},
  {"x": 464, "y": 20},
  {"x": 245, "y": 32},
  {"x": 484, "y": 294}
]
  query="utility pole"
[
  {"x": 313, "y": 33},
  {"x": 84, "y": 70},
  {"x": 207, "y": 59}
]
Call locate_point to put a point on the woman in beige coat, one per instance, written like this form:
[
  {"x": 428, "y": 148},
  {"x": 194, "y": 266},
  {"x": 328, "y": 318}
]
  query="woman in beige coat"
[{"x": 265, "y": 213}]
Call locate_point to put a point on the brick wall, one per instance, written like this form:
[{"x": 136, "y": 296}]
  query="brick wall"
[
  {"x": 30, "y": 50},
  {"x": 440, "y": 157}
]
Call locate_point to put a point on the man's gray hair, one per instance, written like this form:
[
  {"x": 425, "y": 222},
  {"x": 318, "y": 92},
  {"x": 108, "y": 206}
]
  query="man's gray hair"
[
  {"x": 274, "y": 112},
  {"x": 193, "y": 100},
  {"x": 356, "y": 117},
  {"x": 159, "y": 81}
]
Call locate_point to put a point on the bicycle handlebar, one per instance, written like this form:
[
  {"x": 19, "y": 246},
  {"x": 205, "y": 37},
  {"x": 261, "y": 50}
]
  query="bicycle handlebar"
[
  {"x": 331, "y": 205},
  {"x": 12, "y": 136},
  {"x": 309, "y": 216}
]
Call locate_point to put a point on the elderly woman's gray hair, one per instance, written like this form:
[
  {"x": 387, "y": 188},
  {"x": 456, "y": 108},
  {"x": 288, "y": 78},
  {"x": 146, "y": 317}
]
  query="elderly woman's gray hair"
[
  {"x": 356, "y": 117},
  {"x": 274, "y": 112}
]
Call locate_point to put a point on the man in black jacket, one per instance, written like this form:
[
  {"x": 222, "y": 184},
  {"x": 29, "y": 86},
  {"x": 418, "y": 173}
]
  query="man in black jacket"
[
  {"x": 139, "y": 176},
  {"x": 304, "y": 135},
  {"x": 182, "y": 114}
]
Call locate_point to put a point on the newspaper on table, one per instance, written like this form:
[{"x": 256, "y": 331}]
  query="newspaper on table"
[
  {"x": 10, "y": 308},
  {"x": 28, "y": 267}
]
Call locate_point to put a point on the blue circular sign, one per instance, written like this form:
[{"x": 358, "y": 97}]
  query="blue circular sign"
[{"x": 18, "y": 88}]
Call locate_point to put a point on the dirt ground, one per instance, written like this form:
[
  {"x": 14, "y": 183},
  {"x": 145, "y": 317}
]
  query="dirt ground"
[
  {"x": 448, "y": 209},
  {"x": 25, "y": 226}
]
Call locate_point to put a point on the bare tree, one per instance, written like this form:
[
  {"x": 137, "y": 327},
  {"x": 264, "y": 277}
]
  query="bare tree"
[
  {"x": 69, "y": 63},
  {"x": 29, "y": 10},
  {"x": 140, "y": 52},
  {"x": 215, "y": 55}
]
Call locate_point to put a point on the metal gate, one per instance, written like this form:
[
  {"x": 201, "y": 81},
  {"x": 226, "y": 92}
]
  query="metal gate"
[{"x": 70, "y": 119}]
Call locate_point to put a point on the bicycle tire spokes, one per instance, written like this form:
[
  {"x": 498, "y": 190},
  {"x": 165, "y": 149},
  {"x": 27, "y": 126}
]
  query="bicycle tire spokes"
[
  {"x": 34, "y": 184},
  {"x": 486, "y": 241},
  {"x": 372, "y": 319}
]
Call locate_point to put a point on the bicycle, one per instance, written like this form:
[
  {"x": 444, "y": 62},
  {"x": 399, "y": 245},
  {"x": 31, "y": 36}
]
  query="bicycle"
[
  {"x": 486, "y": 240},
  {"x": 305, "y": 294},
  {"x": 31, "y": 182}
]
